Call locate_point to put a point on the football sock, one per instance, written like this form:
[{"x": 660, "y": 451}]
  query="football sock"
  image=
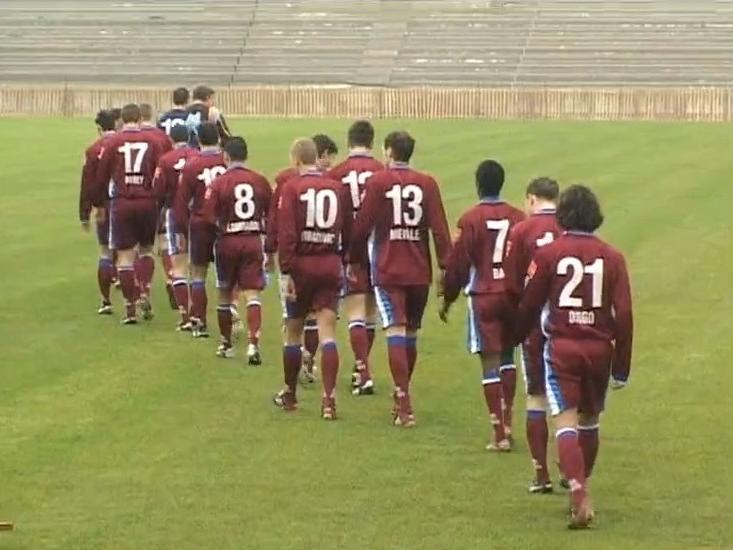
[
  {"x": 127, "y": 283},
  {"x": 310, "y": 337},
  {"x": 180, "y": 290},
  {"x": 145, "y": 268},
  {"x": 398, "y": 365},
  {"x": 329, "y": 367},
  {"x": 224, "y": 315},
  {"x": 105, "y": 274},
  {"x": 588, "y": 440},
  {"x": 537, "y": 436},
  {"x": 508, "y": 375},
  {"x": 292, "y": 358},
  {"x": 571, "y": 463},
  {"x": 493, "y": 397},
  {"x": 359, "y": 342},
  {"x": 371, "y": 333},
  {"x": 199, "y": 300},
  {"x": 254, "y": 321},
  {"x": 411, "y": 350}
]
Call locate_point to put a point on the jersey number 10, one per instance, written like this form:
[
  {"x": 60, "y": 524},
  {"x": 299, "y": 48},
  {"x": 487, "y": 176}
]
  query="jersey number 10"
[{"x": 321, "y": 208}]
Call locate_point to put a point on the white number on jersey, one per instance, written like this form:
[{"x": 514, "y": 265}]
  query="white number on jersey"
[
  {"x": 578, "y": 271},
  {"x": 210, "y": 174},
  {"x": 356, "y": 181},
  {"x": 178, "y": 166},
  {"x": 321, "y": 208},
  {"x": 547, "y": 238},
  {"x": 134, "y": 152},
  {"x": 169, "y": 123},
  {"x": 412, "y": 195},
  {"x": 502, "y": 229},
  {"x": 244, "y": 206}
]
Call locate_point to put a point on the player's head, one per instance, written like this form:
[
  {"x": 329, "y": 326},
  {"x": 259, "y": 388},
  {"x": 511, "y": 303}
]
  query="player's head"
[
  {"x": 179, "y": 134},
  {"x": 208, "y": 134},
  {"x": 105, "y": 121},
  {"x": 117, "y": 114},
  {"x": 489, "y": 178},
  {"x": 146, "y": 112},
  {"x": 361, "y": 134},
  {"x": 541, "y": 193},
  {"x": 235, "y": 150},
  {"x": 399, "y": 146},
  {"x": 327, "y": 151},
  {"x": 130, "y": 114},
  {"x": 579, "y": 210},
  {"x": 303, "y": 153},
  {"x": 204, "y": 94},
  {"x": 180, "y": 97}
]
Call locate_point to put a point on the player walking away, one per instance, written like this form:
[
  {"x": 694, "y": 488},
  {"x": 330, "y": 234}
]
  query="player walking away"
[
  {"x": 105, "y": 122},
  {"x": 174, "y": 257},
  {"x": 477, "y": 265},
  {"x": 239, "y": 200},
  {"x": 178, "y": 114},
  {"x": 581, "y": 286},
  {"x": 194, "y": 224},
  {"x": 539, "y": 229},
  {"x": 314, "y": 220},
  {"x": 202, "y": 110},
  {"x": 361, "y": 308},
  {"x": 127, "y": 166},
  {"x": 400, "y": 206}
]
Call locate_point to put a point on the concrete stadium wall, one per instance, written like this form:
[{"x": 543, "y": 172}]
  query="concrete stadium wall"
[{"x": 687, "y": 104}]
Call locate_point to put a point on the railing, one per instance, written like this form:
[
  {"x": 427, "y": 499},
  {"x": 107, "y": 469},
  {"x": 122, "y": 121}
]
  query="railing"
[{"x": 691, "y": 104}]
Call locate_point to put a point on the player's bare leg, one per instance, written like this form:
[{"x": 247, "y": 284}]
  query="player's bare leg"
[
  {"x": 199, "y": 301},
  {"x": 237, "y": 325},
  {"x": 493, "y": 396},
  {"x": 573, "y": 466},
  {"x": 588, "y": 439},
  {"x": 508, "y": 375},
  {"x": 355, "y": 306},
  {"x": 310, "y": 348},
  {"x": 224, "y": 316},
  {"x": 326, "y": 319},
  {"x": 286, "y": 398},
  {"x": 126, "y": 273},
  {"x": 402, "y": 414},
  {"x": 371, "y": 320},
  {"x": 105, "y": 277},
  {"x": 167, "y": 265},
  {"x": 180, "y": 289},
  {"x": 537, "y": 435},
  {"x": 145, "y": 270},
  {"x": 254, "y": 326}
]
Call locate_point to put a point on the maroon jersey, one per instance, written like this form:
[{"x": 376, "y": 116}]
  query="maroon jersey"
[
  {"x": 127, "y": 166},
  {"x": 479, "y": 251},
  {"x": 282, "y": 176},
  {"x": 168, "y": 172},
  {"x": 400, "y": 206},
  {"x": 581, "y": 286},
  {"x": 89, "y": 175},
  {"x": 355, "y": 172},
  {"x": 239, "y": 201},
  {"x": 539, "y": 229},
  {"x": 315, "y": 218},
  {"x": 197, "y": 175},
  {"x": 157, "y": 135}
]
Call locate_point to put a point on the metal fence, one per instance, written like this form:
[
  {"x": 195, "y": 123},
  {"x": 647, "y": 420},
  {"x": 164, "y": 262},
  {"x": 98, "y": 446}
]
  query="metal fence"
[{"x": 687, "y": 104}]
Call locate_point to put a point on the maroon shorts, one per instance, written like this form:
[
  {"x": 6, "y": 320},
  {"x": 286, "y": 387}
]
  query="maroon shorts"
[
  {"x": 576, "y": 374},
  {"x": 201, "y": 238},
  {"x": 362, "y": 283},
  {"x": 533, "y": 362},
  {"x": 132, "y": 222},
  {"x": 401, "y": 304},
  {"x": 318, "y": 281},
  {"x": 239, "y": 262},
  {"x": 489, "y": 323}
]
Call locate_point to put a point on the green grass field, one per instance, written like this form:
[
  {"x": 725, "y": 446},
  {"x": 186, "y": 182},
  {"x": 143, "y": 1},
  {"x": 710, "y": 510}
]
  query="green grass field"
[{"x": 138, "y": 437}]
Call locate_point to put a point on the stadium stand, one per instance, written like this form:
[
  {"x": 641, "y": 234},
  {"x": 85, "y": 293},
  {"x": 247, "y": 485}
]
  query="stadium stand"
[{"x": 520, "y": 43}]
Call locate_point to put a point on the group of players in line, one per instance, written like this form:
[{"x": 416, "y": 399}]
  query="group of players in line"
[{"x": 358, "y": 233}]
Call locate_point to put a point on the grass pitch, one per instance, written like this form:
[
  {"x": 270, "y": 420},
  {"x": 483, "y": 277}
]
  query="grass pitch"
[{"x": 138, "y": 437}]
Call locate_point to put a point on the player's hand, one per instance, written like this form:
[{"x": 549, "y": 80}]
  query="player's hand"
[
  {"x": 100, "y": 214},
  {"x": 618, "y": 384},
  {"x": 351, "y": 273},
  {"x": 288, "y": 287},
  {"x": 182, "y": 241},
  {"x": 85, "y": 226},
  {"x": 443, "y": 311},
  {"x": 440, "y": 283}
]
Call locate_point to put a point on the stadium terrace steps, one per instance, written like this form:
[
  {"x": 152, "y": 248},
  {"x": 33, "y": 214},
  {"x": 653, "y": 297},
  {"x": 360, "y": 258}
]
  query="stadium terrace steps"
[{"x": 369, "y": 42}]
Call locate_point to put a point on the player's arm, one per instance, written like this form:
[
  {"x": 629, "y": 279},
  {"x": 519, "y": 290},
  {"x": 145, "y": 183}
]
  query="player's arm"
[
  {"x": 515, "y": 264},
  {"x": 624, "y": 325},
  {"x": 217, "y": 117},
  {"x": 347, "y": 208},
  {"x": 439, "y": 228},
  {"x": 287, "y": 230},
  {"x": 272, "y": 216},
  {"x": 457, "y": 268},
  {"x": 212, "y": 202},
  {"x": 364, "y": 222},
  {"x": 88, "y": 175},
  {"x": 535, "y": 295},
  {"x": 184, "y": 195},
  {"x": 100, "y": 189}
]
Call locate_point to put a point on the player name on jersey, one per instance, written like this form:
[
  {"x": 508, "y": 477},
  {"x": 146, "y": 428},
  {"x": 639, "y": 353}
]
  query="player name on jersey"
[
  {"x": 243, "y": 227},
  {"x": 310, "y": 236},
  {"x": 405, "y": 234}
]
